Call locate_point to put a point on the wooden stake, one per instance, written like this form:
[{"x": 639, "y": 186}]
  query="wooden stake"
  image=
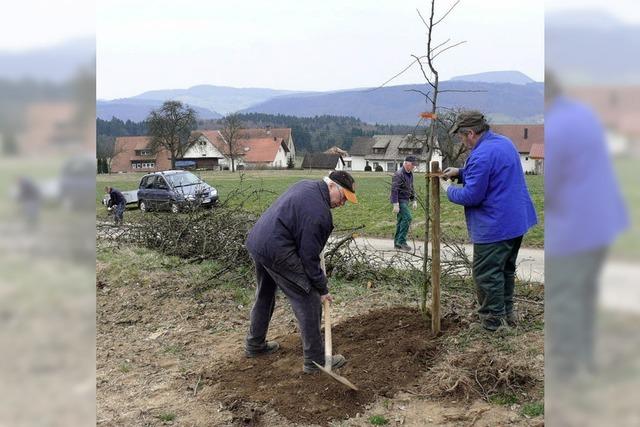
[{"x": 435, "y": 247}]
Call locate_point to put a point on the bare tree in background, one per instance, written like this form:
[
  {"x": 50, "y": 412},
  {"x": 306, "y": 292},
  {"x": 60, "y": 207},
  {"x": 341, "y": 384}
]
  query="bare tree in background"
[
  {"x": 107, "y": 149},
  {"x": 453, "y": 152},
  {"x": 231, "y": 133},
  {"x": 171, "y": 127}
]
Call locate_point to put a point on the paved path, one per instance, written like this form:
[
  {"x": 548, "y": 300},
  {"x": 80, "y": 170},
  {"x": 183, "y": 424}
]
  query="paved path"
[
  {"x": 530, "y": 261},
  {"x": 619, "y": 284}
]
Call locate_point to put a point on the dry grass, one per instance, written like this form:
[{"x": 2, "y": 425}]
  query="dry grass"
[{"x": 490, "y": 364}]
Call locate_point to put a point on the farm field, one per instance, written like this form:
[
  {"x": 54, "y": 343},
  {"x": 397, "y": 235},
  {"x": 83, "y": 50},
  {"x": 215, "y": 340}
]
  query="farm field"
[{"x": 373, "y": 210}]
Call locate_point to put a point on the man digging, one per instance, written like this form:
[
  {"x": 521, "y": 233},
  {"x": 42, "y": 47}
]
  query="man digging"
[
  {"x": 498, "y": 210},
  {"x": 286, "y": 243}
]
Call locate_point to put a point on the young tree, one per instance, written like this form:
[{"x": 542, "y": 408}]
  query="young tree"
[
  {"x": 170, "y": 127},
  {"x": 231, "y": 133}
]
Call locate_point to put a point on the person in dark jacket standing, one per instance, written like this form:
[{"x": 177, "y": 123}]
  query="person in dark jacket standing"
[
  {"x": 117, "y": 202},
  {"x": 286, "y": 244},
  {"x": 498, "y": 211},
  {"x": 401, "y": 194}
]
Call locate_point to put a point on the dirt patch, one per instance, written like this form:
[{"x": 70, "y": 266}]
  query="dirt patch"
[{"x": 387, "y": 350}]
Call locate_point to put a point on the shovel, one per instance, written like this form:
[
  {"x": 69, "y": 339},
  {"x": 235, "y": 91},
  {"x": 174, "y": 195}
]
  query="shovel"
[{"x": 328, "y": 350}]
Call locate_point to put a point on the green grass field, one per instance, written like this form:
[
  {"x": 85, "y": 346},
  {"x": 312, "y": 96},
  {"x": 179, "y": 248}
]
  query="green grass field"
[
  {"x": 373, "y": 210},
  {"x": 628, "y": 245}
]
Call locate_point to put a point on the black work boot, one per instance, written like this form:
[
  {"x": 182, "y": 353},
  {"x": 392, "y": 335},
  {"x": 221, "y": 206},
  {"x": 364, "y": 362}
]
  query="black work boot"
[
  {"x": 337, "y": 361},
  {"x": 268, "y": 348},
  {"x": 492, "y": 323},
  {"x": 512, "y": 319}
]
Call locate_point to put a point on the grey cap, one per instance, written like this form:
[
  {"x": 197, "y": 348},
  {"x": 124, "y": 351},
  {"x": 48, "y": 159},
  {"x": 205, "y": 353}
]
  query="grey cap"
[{"x": 468, "y": 119}]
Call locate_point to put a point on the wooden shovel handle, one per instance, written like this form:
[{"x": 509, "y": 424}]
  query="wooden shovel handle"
[{"x": 328, "y": 351}]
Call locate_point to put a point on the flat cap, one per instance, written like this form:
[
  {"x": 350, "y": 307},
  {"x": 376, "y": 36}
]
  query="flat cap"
[{"x": 468, "y": 119}]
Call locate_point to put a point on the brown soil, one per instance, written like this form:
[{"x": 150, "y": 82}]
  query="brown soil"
[
  {"x": 168, "y": 355},
  {"x": 386, "y": 350}
]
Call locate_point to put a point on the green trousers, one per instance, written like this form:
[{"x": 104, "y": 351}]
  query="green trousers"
[
  {"x": 402, "y": 225},
  {"x": 494, "y": 272}
]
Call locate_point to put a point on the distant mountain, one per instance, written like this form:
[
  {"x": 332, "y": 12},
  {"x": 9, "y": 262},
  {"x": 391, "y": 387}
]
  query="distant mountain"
[
  {"x": 593, "y": 48},
  {"x": 137, "y": 110},
  {"x": 56, "y": 64},
  {"x": 513, "y": 77},
  {"x": 503, "y": 102},
  {"x": 222, "y": 99},
  {"x": 517, "y": 100}
]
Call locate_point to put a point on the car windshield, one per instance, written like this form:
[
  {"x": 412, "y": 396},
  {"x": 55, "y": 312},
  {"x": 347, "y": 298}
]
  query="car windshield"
[{"x": 182, "y": 179}]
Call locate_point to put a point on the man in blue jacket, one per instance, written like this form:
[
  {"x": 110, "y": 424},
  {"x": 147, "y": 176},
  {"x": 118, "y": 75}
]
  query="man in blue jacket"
[
  {"x": 286, "y": 244},
  {"x": 498, "y": 211},
  {"x": 401, "y": 194}
]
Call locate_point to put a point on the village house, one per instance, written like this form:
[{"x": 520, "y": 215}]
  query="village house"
[
  {"x": 133, "y": 155},
  {"x": 387, "y": 152},
  {"x": 529, "y": 141},
  {"x": 256, "y": 148},
  {"x": 326, "y": 161}
]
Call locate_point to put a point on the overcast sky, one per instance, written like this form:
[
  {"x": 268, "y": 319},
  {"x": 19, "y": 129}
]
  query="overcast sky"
[{"x": 298, "y": 45}]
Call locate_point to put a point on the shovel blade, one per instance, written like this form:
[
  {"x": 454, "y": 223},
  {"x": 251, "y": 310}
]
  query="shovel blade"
[{"x": 336, "y": 377}]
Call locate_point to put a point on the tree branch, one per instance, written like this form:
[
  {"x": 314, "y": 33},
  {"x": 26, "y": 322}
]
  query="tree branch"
[
  {"x": 426, "y": 95},
  {"x": 424, "y": 73},
  {"x": 447, "y": 48},
  {"x": 462, "y": 91},
  {"x": 448, "y": 12},
  {"x": 397, "y": 75}
]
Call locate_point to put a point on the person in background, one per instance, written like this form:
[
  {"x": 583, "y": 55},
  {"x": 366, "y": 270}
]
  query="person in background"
[
  {"x": 117, "y": 202},
  {"x": 402, "y": 193}
]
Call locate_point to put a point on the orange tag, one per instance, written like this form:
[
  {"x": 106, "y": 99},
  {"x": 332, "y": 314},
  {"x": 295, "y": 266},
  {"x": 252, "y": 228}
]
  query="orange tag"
[{"x": 426, "y": 115}]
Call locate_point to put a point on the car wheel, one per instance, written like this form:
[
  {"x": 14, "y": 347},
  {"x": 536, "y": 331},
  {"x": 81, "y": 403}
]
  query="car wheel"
[
  {"x": 143, "y": 206},
  {"x": 175, "y": 208}
]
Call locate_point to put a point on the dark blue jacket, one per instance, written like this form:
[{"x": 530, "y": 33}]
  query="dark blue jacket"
[
  {"x": 496, "y": 201},
  {"x": 402, "y": 186},
  {"x": 290, "y": 235},
  {"x": 117, "y": 198}
]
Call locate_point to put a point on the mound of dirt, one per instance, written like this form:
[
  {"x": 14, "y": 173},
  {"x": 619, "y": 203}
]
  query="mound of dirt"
[{"x": 387, "y": 350}]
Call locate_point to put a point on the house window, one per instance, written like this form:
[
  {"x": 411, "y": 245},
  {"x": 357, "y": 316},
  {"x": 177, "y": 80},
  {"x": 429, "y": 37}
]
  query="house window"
[
  {"x": 375, "y": 165},
  {"x": 526, "y": 158},
  {"x": 391, "y": 167},
  {"x": 145, "y": 152},
  {"x": 137, "y": 164},
  {"x": 526, "y": 133},
  {"x": 348, "y": 164}
]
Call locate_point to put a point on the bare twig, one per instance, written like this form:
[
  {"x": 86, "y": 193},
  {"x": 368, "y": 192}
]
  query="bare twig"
[
  {"x": 195, "y": 389},
  {"x": 447, "y": 12},
  {"x": 446, "y": 49}
]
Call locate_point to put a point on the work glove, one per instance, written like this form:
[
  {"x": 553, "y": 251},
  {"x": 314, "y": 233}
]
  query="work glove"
[
  {"x": 451, "y": 172},
  {"x": 415, "y": 205},
  {"x": 444, "y": 184},
  {"x": 396, "y": 208}
]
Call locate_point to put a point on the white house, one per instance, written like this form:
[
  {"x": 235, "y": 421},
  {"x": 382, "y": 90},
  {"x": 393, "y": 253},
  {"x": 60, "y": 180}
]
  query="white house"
[
  {"x": 205, "y": 153},
  {"x": 211, "y": 151},
  {"x": 387, "y": 152}
]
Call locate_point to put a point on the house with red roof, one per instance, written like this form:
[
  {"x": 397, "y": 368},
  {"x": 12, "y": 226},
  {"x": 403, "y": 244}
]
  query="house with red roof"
[
  {"x": 255, "y": 149},
  {"x": 529, "y": 141}
]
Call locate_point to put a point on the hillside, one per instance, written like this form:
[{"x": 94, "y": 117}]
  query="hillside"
[{"x": 503, "y": 102}]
